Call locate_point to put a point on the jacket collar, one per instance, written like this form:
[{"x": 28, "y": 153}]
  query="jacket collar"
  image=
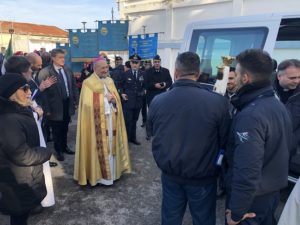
[
  {"x": 280, "y": 90},
  {"x": 7, "y": 106},
  {"x": 185, "y": 83},
  {"x": 251, "y": 92}
]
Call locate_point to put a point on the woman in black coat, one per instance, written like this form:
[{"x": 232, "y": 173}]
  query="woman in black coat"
[{"x": 22, "y": 184}]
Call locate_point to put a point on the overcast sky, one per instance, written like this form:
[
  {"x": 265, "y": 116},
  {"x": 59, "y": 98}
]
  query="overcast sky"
[{"x": 65, "y": 14}]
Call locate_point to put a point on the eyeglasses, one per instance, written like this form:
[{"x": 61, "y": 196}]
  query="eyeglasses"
[
  {"x": 135, "y": 61},
  {"x": 25, "y": 88}
]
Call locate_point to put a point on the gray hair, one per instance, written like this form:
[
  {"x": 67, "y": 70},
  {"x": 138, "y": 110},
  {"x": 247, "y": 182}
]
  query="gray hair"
[
  {"x": 188, "y": 63},
  {"x": 287, "y": 63}
]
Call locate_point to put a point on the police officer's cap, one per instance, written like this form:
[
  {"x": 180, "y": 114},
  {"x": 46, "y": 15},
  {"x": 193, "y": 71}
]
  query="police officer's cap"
[
  {"x": 157, "y": 57},
  {"x": 135, "y": 57},
  {"x": 118, "y": 58}
]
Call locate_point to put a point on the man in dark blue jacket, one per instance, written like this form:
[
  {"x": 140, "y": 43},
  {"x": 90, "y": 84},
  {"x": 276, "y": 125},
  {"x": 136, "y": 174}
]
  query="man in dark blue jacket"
[
  {"x": 189, "y": 126},
  {"x": 132, "y": 92},
  {"x": 259, "y": 143}
]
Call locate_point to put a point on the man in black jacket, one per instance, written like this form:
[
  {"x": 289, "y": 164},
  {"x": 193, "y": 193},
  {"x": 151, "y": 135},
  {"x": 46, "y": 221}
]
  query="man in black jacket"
[
  {"x": 259, "y": 143},
  {"x": 60, "y": 100},
  {"x": 118, "y": 72},
  {"x": 157, "y": 79},
  {"x": 287, "y": 87},
  {"x": 189, "y": 126}
]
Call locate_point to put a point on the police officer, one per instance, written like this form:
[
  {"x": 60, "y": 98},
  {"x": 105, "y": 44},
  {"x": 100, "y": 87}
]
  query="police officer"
[
  {"x": 157, "y": 79},
  {"x": 117, "y": 72},
  {"x": 132, "y": 91}
]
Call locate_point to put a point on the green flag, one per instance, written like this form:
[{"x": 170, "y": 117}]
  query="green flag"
[
  {"x": 8, "y": 53},
  {"x": 9, "y": 50}
]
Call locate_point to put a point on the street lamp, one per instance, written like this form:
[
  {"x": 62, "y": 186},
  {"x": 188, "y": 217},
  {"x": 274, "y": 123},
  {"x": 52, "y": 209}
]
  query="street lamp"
[
  {"x": 96, "y": 23},
  {"x": 83, "y": 23}
]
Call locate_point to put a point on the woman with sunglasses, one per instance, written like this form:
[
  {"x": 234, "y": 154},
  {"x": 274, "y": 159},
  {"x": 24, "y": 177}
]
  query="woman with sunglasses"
[{"x": 22, "y": 183}]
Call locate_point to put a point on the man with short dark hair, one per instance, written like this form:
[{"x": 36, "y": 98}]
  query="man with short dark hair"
[
  {"x": 259, "y": 143},
  {"x": 60, "y": 100},
  {"x": 189, "y": 126},
  {"x": 118, "y": 72}
]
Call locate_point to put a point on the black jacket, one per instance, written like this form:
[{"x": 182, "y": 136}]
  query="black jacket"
[
  {"x": 291, "y": 99},
  {"x": 258, "y": 147},
  {"x": 53, "y": 97},
  {"x": 21, "y": 159},
  {"x": 133, "y": 88},
  {"x": 189, "y": 126},
  {"x": 117, "y": 75},
  {"x": 152, "y": 77}
]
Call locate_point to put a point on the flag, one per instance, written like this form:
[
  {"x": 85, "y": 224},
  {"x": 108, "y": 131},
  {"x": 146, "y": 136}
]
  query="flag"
[{"x": 8, "y": 53}]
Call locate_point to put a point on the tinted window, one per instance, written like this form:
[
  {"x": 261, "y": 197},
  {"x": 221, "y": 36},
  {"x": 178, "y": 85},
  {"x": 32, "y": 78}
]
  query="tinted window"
[{"x": 211, "y": 44}]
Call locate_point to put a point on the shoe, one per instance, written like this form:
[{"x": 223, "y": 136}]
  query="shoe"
[
  {"x": 53, "y": 164},
  {"x": 37, "y": 210},
  {"x": 69, "y": 151},
  {"x": 60, "y": 156},
  {"x": 135, "y": 142}
]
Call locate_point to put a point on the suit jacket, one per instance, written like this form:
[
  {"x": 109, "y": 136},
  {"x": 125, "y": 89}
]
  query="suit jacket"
[
  {"x": 133, "y": 88},
  {"x": 53, "y": 96}
]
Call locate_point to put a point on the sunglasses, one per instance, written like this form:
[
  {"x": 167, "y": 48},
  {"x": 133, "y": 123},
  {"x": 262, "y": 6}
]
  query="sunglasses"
[
  {"x": 135, "y": 61},
  {"x": 25, "y": 88}
]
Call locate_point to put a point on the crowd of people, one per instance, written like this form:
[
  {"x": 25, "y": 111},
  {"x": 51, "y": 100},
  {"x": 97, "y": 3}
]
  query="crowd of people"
[{"x": 247, "y": 136}]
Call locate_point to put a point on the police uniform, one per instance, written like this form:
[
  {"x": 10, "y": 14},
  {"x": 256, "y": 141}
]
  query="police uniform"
[
  {"x": 117, "y": 74},
  {"x": 133, "y": 86}
]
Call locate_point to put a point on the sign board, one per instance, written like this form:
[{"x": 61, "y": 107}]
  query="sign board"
[{"x": 144, "y": 45}]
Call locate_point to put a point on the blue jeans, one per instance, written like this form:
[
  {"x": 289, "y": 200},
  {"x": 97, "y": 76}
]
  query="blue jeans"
[{"x": 201, "y": 200}]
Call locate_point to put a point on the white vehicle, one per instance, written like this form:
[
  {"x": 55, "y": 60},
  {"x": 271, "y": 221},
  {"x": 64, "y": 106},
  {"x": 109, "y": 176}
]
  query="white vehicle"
[{"x": 278, "y": 34}]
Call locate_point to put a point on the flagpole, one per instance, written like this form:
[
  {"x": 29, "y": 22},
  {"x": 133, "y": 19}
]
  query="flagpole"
[{"x": 11, "y": 31}]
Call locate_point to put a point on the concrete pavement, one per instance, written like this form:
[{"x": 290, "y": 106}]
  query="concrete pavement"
[{"x": 133, "y": 200}]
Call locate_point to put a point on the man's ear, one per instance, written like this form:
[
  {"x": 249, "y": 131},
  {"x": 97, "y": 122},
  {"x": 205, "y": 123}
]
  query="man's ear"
[
  {"x": 246, "y": 78},
  {"x": 176, "y": 74}
]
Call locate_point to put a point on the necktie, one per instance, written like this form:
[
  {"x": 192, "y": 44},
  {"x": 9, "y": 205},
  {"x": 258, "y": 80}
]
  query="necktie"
[
  {"x": 62, "y": 84},
  {"x": 135, "y": 74}
]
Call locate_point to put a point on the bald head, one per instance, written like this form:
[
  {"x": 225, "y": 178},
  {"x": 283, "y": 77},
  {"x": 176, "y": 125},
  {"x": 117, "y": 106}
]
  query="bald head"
[
  {"x": 35, "y": 61},
  {"x": 101, "y": 68}
]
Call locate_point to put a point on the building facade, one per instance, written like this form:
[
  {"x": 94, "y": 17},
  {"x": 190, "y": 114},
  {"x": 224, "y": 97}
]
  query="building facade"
[
  {"x": 170, "y": 17},
  {"x": 28, "y": 37}
]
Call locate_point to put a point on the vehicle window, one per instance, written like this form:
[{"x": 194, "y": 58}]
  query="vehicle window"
[{"x": 211, "y": 44}]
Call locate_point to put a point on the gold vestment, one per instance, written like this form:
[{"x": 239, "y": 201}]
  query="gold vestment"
[{"x": 92, "y": 147}]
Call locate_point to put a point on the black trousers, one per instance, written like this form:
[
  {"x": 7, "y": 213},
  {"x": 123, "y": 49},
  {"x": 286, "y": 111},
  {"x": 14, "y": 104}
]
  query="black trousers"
[
  {"x": 131, "y": 116},
  {"x": 60, "y": 129},
  {"x": 46, "y": 128},
  {"x": 264, "y": 207},
  {"x": 144, "y": 109},
  {"x": 19, "y": 220}
]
